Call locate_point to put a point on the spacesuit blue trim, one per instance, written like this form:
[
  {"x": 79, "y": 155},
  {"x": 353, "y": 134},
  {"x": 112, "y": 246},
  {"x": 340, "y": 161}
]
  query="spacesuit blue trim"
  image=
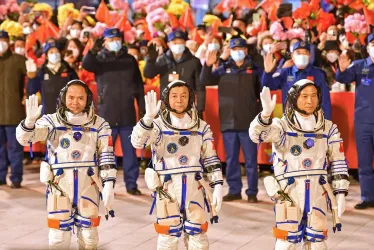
[
  {"x": 75, "y": 198},
  {"x": 181, "y": 132},
  {"x": 153, "y": 203},
  {"x": 335, "y": 141},
  {"x": 320, "y": 210},
  {"x": 293, "y": 134},
  {"x": 103, "y": 136},
  {"x": 86, "y": 198},
  {"x": 184, "y": 193},
  {"x": 62, "y": 128},
  {"x": 194, "y": 202},
  {"x": 59, "y": 212},
  {"x": 31, "y": 154}
]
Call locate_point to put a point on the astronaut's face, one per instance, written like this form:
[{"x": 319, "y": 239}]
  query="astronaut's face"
[
  {"x": 76, "y": 99},
  {"x": 178, "y": 98},
  {"x": 308, "y": 99}
]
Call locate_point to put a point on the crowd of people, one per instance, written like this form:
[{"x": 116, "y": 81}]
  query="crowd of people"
[{"x": 241, "y": 46}]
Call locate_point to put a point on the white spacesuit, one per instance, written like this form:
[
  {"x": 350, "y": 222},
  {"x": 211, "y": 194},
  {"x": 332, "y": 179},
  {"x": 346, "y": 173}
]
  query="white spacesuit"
[
  {"x": 79, "y": 167},
  {"x": 182, "y": 150},
  {"x": 304, "y": 147}
]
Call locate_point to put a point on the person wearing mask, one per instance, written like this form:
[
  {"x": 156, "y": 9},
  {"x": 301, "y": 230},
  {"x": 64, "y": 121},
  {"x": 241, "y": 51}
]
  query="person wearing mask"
[
  {"x": 301, "y": 70},
  {"x": 143, "y": 45},
  {"x": 362, "y": 72},
  {"x": 19, "y": 46},
  {"x": 119, "y": 82},
  {"x": 330, "y": 53},
  {"x": 26, "y": 28},
  {"x": 239, "y": 86},
  {"x": 176, "y": 64},
  {"x": 50, "y": 78},
  {"x": 75, "y": 29},
  {"x": 12, "y": 77},
  {"x": 74, "y": 53},
  {"x": 210, "y": 43},
  {"x": 265, "y": 44}
]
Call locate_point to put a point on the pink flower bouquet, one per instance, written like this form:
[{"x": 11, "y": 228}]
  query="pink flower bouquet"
[
  {"x": 99, "y": 28},
  {"x": 157, "y": 19},
  {"x": 296, "y": 33},
  {"x": 156, "y": 4},
  {"x": 277, "y": 31},
  {"x": 356, "y": 24}
]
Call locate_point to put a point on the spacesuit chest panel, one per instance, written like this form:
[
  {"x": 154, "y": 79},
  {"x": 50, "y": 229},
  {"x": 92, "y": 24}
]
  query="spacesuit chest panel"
[
  {"x": 305, "y": 153},
  {"x": 179, "y": 150},
  {"x": 72, "y": 146}
]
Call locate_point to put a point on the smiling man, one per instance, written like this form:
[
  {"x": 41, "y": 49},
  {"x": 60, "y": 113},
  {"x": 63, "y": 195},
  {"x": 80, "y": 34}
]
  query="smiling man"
[
  {"x": 79, "y": 164},
  {"x": 303, "y": 143},
  {"x": 183, "y": 149}
]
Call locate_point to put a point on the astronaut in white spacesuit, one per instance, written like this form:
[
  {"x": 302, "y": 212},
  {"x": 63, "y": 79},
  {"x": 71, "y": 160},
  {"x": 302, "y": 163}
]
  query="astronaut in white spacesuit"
[
  {"x": 305, "y": 145},
  {"x": 79, "y": 165},
  {"x": 182, "y": 150}
]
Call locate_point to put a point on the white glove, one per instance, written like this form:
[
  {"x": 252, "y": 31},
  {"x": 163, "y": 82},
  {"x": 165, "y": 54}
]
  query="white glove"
[
  {"x": 30, "y": 66},
  {"x": 151, "y": 179},
  {"x": 217, "y": 197},
  {"x": 268, "y": 103},
  {"x": 32, "y": 111},
  {"x": 340, "y": 198},
  {"x": 108, "y": 195},
  {"x": 151, "y": 107}
]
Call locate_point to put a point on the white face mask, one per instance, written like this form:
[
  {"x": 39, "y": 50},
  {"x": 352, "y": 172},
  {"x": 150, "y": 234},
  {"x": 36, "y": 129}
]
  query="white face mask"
[
  {"x": 213, "y": 46},
  {"x": 20, "y": 51},
  {"x": 177, "y": 48},
  {"x": 301, "y": 61},
  {"x": 332, "y": 57},
  {"x": 139, "y": 33},
  {"x": 371, "y": 51},
  {"x": 3, "y": 47},
  {"x": 266, "y": 48},
  {"x": 27, "y": 30},
  {"x": 54, "y": 58},
  {"x": 75, "y": 33}
]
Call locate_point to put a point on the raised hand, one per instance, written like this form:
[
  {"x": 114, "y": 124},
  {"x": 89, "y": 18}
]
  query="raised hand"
[{"x": 268, "y": 103}]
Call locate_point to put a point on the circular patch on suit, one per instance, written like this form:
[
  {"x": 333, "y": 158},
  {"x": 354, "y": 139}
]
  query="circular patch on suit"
[
  {"x": 183, "y": 141},
  {"x": 76, "y": 155},
  {"x": 295, "y": 150},
  {"x": 183, "y": 159},
  {"x": 77, "y": 136},
  {"x": 307, "y": 163},
  {"x": 172, "y": 148},
  {"x": 65, "y": 143}
]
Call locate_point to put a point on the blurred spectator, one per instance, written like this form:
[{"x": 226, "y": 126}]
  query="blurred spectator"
[
  {"x": 12, "y": 75},
  {"x": 119, "y": 82},
  {"x": 19, "y": 46}
]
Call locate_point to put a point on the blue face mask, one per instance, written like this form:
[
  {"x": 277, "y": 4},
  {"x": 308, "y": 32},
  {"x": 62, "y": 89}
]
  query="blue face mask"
[
  {"x": 237, "y": 55},
  {"x": 54, "y": 58},
  {"x": 115, "y": 46}
]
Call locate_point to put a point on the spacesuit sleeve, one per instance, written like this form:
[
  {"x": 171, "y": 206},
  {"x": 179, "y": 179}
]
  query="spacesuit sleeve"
[
  {"x": 210, "y": 160},
  {"x": 338, "y": 163},
  {"x": 42, "y": 128},
  {"x": 143, "y": 135},
  {"x": 106, "y": 158},
  {"x": 273, "y": 131}
]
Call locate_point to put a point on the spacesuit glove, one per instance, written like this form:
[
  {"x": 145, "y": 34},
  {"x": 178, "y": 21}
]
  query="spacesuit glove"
[
  {"x": 108, "y": 198},
  {"x": 152, "y": 179},
  {"x": 32, "y": 111},
  {"x": 152, "y": 106},
  {"x": 340, "y": 198},
  {"x": 268, "y": 103},
  {"x": 217, "y": 197}
]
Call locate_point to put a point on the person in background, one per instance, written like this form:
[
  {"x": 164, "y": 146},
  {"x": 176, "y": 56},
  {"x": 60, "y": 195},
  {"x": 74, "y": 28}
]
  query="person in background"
[
  {"x": 74, "y": 53},
  {"x": 12, "y": 77},
  {"x": 119, "y": 83},
  {"x": 192, "y": 46},
  {"x": 19, "y": 46},
  {"x": 330, "y": 64}
]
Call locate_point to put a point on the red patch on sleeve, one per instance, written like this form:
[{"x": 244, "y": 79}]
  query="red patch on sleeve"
[
  {"x": 249, "y": 71},
  {"x": 311, "y": 78},
  {"x": 110, "y": 141},
  {"x": 64, "y": 74},
  {"x": 341, "y": 148}
]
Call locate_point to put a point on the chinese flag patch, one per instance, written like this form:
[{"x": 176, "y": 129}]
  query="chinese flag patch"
[
  {"x": 110, "y": 141},
  {"x": 341, "y": 148},
  {"x": 249, "y": 71},
  {"x": 311, "y": 78},
  {"x": 64, "y": 74}
]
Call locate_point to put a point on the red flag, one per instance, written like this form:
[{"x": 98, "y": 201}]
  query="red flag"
[
  {"x": 186, "y": 19},
  {"x": 215, "y": 26},
  {"x": 102, "y": 14},
  {"x": 45, "y": 30},
  {"x": 173, "y": 21},
  {"x": 196, "y": 37},
  {"x": 249, "y": 4},
  {"x": 263, "y": 25},
  {"x": 89, "y": 45},
  {"x": 268, "y": 4},
  {"x": 227, "y": 22}
]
